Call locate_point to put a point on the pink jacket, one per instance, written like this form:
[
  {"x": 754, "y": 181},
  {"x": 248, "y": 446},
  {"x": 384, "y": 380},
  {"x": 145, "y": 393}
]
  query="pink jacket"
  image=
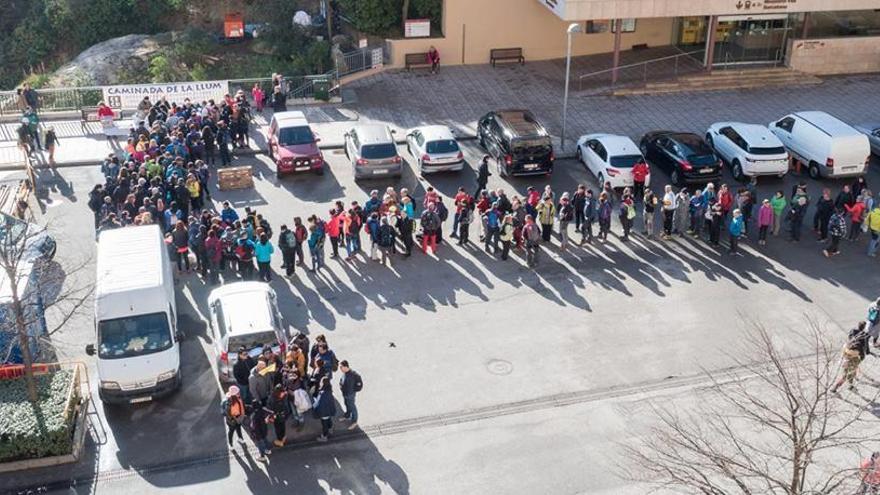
[{"x": 765, "y": 215}]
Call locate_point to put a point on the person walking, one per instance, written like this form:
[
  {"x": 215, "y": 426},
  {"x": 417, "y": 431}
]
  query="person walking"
[
  {"x": 51, "y": 142},
  {"x": 233, "y": 408},
  {"x": 670, "y": 204},
  {"x": 430, "y": 222},
  {"x": 482, "y": 175},
  {"x": 649, "y": 204},
  {"x": 506, "y": 235},
  {"x": 855, "y": 350},
  {"x": 588, "y": 217},
  {"x": 796, "y": 214},
  {"x": 778, "y": 203},
  {"x": 532, "y": 237},
  {"x": 735, "y": 229},
  {"x": 350, "y": 384},
  {"x": 546, "y": 215},
  {"x": 565, "y": 213},
  {"x": 325, "y": 407},
  {"x": 872, "y": 223},
  {"x": 604, "y": 213},
  {"x": 765, "y": 221},
  {"x": 836, "y": 229},
  {"x": 260, "y": 419}
]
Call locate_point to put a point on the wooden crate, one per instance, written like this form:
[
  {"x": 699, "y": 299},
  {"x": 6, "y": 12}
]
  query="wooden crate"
[{"x": 235, "y": 178}]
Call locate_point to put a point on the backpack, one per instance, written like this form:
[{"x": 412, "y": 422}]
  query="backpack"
[
  {"x": 429, "y": 221},
  {"x": 359, "y": 383},
  {"x": 335, "y": 362},
  {"x": 630, "y": 212},
  {"x": 386, "y": 236},
  {"x": 442, "y": 212},
  {"x": 301, "y": 401},
  {"x": 873, "y": 315}
]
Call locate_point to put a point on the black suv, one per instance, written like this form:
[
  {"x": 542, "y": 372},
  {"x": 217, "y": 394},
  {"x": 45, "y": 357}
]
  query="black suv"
[
  {"x": 517, "y": 141},
  {"x": 685, "y": 156}
]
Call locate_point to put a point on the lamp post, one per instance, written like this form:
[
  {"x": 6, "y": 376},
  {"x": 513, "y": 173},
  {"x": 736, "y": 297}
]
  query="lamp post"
[{"x": 572, "y": 28}]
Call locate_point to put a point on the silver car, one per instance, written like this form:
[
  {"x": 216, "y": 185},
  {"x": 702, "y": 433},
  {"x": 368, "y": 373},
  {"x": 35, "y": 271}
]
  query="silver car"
[
  {"x": 872, "y": 130},
  {"x": 372, "y": 151}
]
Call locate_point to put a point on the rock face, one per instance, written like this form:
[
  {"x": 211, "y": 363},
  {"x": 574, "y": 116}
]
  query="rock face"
[{"x": 112, "y": 61}]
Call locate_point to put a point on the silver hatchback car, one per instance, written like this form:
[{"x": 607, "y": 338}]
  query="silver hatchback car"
[{"x": 372, "y": 151}]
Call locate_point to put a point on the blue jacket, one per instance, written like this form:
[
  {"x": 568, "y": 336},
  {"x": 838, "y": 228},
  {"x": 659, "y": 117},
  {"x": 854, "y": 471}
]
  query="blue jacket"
[
  {"x": 228, "y": 215},
  {"x": 324, "y": 405},
  {"x": 492, "y": 219},
  {"x": 373, "y": 225},
  {"x": 263, "y": 252},
  {"x": 697, "y": 204},
  {"x": 736, "y": 226}
]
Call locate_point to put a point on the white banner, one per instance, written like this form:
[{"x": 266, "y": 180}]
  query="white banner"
[{"x": 127, "y": 96}]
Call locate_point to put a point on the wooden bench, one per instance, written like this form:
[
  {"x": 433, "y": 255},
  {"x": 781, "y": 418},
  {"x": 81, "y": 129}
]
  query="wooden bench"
[
  {"x": 234, "y": 178},
  {"x": 506, "y": 54},
  {"x": 416, "y": 60},
  {"x": 90, "y": 114}
]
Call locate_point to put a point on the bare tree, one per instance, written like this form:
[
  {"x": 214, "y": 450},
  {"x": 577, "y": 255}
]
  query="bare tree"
[
  {"x": 35, "y": 286},
  {"x": 768, "y": 425}
]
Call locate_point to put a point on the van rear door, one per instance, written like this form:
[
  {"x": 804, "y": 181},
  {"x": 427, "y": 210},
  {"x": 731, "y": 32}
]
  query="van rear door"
[{"x": 850, "y": 154}]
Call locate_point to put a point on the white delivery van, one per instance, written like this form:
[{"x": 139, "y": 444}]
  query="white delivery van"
[
  {"x": 135, "y": 317},
  {"x": 825, "y": 144}
]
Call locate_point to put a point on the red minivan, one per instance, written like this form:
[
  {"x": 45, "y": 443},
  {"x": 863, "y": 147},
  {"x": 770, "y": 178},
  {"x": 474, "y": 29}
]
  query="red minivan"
[{"x": 292, "y": 145}]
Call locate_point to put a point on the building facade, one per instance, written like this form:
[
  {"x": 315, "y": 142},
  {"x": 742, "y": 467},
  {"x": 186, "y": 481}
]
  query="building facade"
[{"x": 817, "y": 36}]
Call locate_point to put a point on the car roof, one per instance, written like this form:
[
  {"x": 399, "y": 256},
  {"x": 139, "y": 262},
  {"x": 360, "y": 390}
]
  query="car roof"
[
  {"x": 373, "y": 134},
  {"x": 752, "y": 133},
  {"x": 521, "y": 123},
  {"x": 827, "y": 123},
  {"x": 616, "y": 145},
  {"x": 435, "y": 132},
  {"x": 240, "y": 301},
  {"x": 291, "y": 118}
]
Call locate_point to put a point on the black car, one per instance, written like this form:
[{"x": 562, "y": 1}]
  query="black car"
[
  {"x": 685, "y": 156},
  {"x": 517, "y": 141}
]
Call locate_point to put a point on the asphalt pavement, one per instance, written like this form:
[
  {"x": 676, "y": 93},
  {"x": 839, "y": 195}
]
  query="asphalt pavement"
[{"x": 455, "y": 350}]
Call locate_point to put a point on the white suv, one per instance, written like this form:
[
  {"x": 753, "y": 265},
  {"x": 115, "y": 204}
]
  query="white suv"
[{"x": 750, "y": 149}]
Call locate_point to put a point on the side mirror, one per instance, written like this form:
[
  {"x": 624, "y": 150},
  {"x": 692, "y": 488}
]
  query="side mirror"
[
  {"x": 393, "y": 131},
  {"x": 90, "y": 349},
  {"x": 317, "y": 140}
]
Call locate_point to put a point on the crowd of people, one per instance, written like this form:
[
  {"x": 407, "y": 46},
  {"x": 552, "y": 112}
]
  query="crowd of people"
[{"x": 279, "y": 388}]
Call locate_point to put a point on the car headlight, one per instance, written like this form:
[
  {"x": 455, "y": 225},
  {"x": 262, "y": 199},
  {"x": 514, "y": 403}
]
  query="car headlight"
[
  {"x": 110, "y": 385},
  {"x": 167, "y": 375}
]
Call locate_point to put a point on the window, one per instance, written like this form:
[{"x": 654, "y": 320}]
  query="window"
[
  {"x": 442, "y": 146},
  {"x": 597, "y": 26},
  {"x": 600, "y": 151},
  {"x": 292, "y": 136},
  {"x": 628, "y": 25},
  {"x": 767, "y": 151},
  {"x": 420, "y": 139},
  {"x": 133, "y": 336},
  {"x": 786, "y": 124},
  {"x": 221, "y": 319},
  {"x": 625, "y": 161},
  {"x": 253, "y": 340},
  {"x": 378, "y": 151}
]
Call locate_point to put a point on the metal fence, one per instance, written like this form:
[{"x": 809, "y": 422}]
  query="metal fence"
[{"x": 359, "y": 60}]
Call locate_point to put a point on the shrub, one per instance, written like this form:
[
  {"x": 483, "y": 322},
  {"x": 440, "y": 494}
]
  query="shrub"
[
  {"x": 373, "y": 16},
  {"x": 28, "y": 431}
]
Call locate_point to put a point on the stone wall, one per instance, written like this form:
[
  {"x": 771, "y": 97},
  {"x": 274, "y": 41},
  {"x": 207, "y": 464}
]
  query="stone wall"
[{"x": 852, "y": 55}]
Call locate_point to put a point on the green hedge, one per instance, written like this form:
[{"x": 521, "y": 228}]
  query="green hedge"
[{"x": 28, "y": 431}]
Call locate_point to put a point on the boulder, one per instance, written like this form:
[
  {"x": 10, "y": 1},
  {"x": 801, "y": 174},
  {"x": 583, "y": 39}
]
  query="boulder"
[{"x": 112, "y": 61}]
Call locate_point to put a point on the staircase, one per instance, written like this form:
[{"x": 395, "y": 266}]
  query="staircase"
[{"x": 722, "y": 80}]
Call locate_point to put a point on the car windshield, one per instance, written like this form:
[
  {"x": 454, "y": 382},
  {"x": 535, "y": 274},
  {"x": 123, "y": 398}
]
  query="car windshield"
[
  {"x": 133, "y": 336},
  {"x": 12, "y": 229},
  {"x": 252, "y": 341},
  {"x": 442, "y": 146},
  {"x": 625, "y": 161},
  {"x": 767, "y": 151},
  {"x": 292, "y": 136},
  {"x": 377, "y": 151}
]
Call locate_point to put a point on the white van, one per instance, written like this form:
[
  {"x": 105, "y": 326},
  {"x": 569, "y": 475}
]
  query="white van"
[
  {"x": 828, "y": 146},
  {"x": 135, "y": 317},
  {"x": 244, "y": 315}
]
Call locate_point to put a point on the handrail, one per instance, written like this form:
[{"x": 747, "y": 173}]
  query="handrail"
[{"x": 638, "y": 64}]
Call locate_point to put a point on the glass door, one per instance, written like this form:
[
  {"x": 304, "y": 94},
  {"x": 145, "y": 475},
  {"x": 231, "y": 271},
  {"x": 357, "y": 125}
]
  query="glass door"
[{"x": 751, "y": 41}]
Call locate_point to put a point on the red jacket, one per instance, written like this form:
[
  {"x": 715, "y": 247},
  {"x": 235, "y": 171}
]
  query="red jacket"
[
  {"x": 725, "y": 199},
  {"x": 640, "y": 172},
  {"x": 333, "y": 226},
  {"x": 855, "y": 211}
]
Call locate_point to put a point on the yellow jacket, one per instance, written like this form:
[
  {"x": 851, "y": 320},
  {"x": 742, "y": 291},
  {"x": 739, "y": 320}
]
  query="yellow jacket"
[{"x": 872, "y": 220}]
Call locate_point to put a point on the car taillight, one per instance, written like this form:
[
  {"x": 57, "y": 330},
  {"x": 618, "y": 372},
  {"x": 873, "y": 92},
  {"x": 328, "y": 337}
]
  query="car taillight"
[
  {"x": 829, "y": 163},
  {"x": 612, "y": 172},
  {"x": 396, "y": 159},
  {"x": 508, "y": 160},
  {"x": 552, "y": 156},
  {"x": 460, "y": 155},
  {"x": 224, "y": 356},
  {"x": 685, "y": 165},
  {"x": 361, "y": 161},
  {"x": 426, "y": 158}
]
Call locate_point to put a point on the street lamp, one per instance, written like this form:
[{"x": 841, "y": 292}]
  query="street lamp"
[{"x": 574, "y": 27}]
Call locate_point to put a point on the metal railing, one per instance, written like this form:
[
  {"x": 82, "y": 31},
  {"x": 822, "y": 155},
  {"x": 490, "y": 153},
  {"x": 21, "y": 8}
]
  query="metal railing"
[
  {"x": 638, "y": 72},
  {"x": 358, "y": 60},
  {"x": 54, "y": 99}
]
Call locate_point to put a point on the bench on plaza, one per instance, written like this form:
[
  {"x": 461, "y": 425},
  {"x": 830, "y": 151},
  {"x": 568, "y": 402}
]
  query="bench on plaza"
[
  {"x": 506, "y": 55},
  {"x": 90, "y": 114},
  {"x": 418, "y": 60}
]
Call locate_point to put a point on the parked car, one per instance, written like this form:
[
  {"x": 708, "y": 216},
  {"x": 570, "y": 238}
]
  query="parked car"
[
  {"x": 372, "y": 151},
  {"x": 826, "y": 145},
  {"x": 751, "y": 150},
  {"x": 685, "y": 156},
  {"x": 610, "y": 158},
  {"x": 517, "y": 141},
  {"x": 872, "y": 130},
  {"x": 434, "y": 148},
  {"x": 292, "y": 145},
  {"x": 244, "y": 314},
  {"x": 39, "y": 246}
]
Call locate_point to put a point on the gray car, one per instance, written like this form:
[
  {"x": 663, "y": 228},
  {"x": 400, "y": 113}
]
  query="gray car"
[
  {"x": 872, "y": 130},
  {"x": 372, "y": 152}
]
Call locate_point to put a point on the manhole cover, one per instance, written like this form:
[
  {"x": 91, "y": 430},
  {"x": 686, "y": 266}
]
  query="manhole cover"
[{"x": 499, "y": 367}]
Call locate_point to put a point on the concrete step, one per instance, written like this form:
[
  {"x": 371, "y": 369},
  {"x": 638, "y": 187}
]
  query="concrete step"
[
  {"x": 763, "y": 80},
  {"x": 744, "y": 74},
  {"x": 663, "y": 88}
]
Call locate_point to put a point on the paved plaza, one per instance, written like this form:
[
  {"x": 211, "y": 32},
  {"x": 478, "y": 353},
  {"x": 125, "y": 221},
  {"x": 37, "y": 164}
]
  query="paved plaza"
[{"x": 480, "y": 375}]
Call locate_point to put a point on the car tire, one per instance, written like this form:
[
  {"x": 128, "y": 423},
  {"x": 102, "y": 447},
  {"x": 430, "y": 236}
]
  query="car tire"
[
  {"x": 601, "y": 179},
  {"x": 579, "y": 154},
  {"x": 736, "y": 169},
  {"x": 320, "y": 171},
  {"x": 675, "y": 177},
  {"x": 814, "y": 171},
  {"x": 709, "y": 141}
]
